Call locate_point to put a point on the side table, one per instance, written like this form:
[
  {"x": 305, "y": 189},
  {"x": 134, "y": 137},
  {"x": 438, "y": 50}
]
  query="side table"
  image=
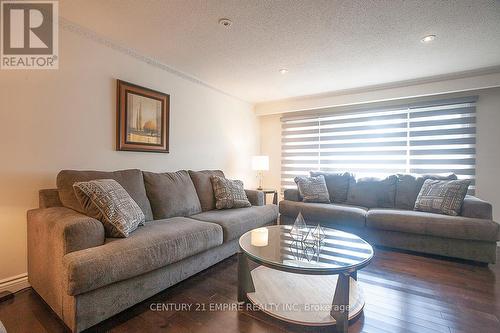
[{"x": 270, "y": 191}]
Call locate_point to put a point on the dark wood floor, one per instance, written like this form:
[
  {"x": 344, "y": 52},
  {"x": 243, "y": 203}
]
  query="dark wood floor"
[{"x": 403, "y": 292}]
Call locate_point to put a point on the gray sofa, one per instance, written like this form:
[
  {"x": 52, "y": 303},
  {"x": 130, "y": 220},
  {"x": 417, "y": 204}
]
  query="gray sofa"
[
  {"x": 381, "y": 212},
  {"x": 85, "y": 277}
]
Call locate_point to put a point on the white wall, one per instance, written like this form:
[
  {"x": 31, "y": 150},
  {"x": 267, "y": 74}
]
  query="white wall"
[
  {"x": 487, "y": 153},
  {"x": 488, "y": 149},
  {"x": 63, "y": 119},
  {"x": 270, "y": 143}
]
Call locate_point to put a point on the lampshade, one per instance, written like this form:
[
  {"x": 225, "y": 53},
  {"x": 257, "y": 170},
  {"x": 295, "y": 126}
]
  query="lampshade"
[{"x": 260, "y": 162}]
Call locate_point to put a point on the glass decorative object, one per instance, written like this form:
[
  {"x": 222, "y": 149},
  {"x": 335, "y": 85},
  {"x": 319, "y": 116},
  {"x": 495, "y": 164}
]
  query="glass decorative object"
[
  {"x": 296, "y": 249},
  {"x": 299, "y": 229},
  {"x": 303, "y": 249},
  {"x": 318, "y": 234},
  {"x": 309, "y": 252}
]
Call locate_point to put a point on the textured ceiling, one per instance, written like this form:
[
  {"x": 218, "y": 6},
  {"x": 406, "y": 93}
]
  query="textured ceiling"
[{"x": 326, "y": 45}]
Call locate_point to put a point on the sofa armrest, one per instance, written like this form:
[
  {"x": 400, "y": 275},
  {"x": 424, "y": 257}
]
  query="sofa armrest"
[
  {"x": 64, "y": 228},
  {"x": 292, "y": 194},
  {"x": 255, "y": 197},
  {"x": 52, "y": 233},
  {"x": 476, "y": 208}
]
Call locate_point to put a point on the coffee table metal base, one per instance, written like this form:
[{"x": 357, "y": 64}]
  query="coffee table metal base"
[{"x": 306, "y": 299}]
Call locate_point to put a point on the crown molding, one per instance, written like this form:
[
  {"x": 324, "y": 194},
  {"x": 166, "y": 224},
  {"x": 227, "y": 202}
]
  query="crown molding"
[{"x": 89, "y": 34}]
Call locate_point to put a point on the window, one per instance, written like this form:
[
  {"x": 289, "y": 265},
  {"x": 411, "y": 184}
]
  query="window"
[{"x": 436, "y": 137}]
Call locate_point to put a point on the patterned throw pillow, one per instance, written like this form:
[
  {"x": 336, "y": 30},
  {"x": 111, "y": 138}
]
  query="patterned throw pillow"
[
  {"x": 313, "y": 189},
  {"x": 442, "y": 196},
  {"x": 107, "y": 201},
  {"x": 229, "y": 193}
]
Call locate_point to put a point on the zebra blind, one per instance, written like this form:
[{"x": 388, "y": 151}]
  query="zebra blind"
[{"x": 437, "y": 137}]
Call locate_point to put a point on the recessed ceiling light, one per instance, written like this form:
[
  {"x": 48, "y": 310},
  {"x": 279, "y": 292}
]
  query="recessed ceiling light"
[
  {"x": 226, "y": 23},
  {"x": 428, "y": 38},
  {"x": 283, "y": 71}
]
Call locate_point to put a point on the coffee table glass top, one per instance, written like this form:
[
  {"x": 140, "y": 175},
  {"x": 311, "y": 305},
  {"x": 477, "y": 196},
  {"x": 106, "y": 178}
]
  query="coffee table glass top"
[{"x": 277, "y": 247}]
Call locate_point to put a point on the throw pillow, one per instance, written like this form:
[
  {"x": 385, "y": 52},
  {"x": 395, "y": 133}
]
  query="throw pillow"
[
  {"x": 409, "y": 185},
  {"x": 313, "y": 189},
  {"x": 336, "y": 183},
  {"x": 107, "y": 201},
  {"x": 229, "y": 193},
  {"x": 442, "y": 196}
]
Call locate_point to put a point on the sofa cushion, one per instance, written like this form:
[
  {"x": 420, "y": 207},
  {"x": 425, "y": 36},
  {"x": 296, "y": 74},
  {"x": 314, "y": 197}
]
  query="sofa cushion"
[
  {"x": 442, "y": 196},
  {"x": 337, "y": 184},
  {"x": 203, "y": 186},
  {"x": 154, "y": 245},
  {"x": 409, "y": 185},
  {"x": 107, "y": 201},
  {"x": 313, "y": 189},
  {"x": 171, "y": 194},
  {"x": 235, "y": 222},
  {"x": 131, "y": 180},
  {"x": 292, "y": 194},
  {"x": 329, "y": 214},
  {"x": 431, "y": 224},
  {"x": 372, "y": 192}
]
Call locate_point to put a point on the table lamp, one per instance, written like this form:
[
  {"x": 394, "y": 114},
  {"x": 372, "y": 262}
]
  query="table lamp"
[{"x": 260, "y": 163}]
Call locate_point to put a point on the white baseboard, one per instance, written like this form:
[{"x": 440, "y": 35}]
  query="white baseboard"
[{"x": 14, "y": 283}]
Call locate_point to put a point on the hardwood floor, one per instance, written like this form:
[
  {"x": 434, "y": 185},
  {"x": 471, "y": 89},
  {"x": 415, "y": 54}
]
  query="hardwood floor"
[{"x": 404, "y": 293}]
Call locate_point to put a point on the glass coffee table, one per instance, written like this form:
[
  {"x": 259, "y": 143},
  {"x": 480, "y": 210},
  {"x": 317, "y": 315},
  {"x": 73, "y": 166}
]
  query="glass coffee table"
[{"x": 303, "y": 281}]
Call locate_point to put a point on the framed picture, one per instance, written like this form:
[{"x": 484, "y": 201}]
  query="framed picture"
[{"x": 142, "y": 119}]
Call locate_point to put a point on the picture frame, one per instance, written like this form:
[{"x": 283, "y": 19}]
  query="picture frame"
[{"x": 142, "y": 119}]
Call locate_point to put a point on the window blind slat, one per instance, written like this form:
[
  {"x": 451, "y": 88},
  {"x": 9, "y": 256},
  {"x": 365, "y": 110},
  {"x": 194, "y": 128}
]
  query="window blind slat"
[
  {"x": 366, "y": 144},
  {"x": 433, "y": 113},
  {"x": 443, "y": 171},
  {"x": 465, "y": 130},
  {"x": 290, "y": 126},
  {"x": 358, "y": 137},
  {"x": 439, "y": 152},
  {"x": 438, "y": 122},
  {"x": 364, "y": 116},
  {"x": 360, "y": 162},
  {"x": 415, "y": 142},
  {"x": 465, "y": 161},
  {"x": 365, "y": 152}
]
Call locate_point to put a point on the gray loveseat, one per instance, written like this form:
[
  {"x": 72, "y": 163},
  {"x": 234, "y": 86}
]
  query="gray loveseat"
[
  {"x": 382, "y": 213},
  {"x": 86, "y": 277}
]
